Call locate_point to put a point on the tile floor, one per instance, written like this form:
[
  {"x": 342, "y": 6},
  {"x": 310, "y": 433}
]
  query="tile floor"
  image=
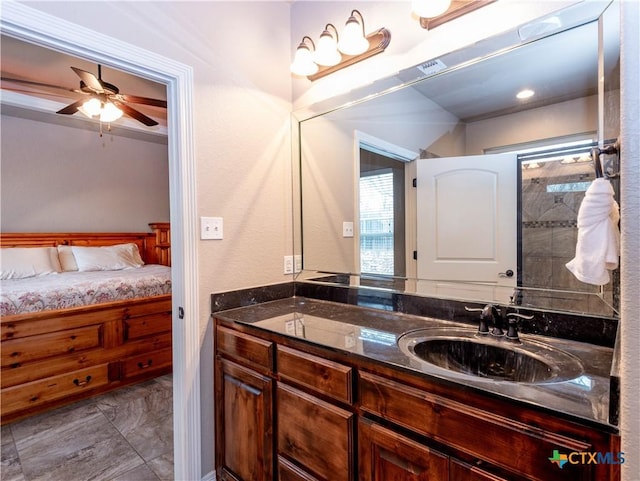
[{"x": 125, "y": 435}]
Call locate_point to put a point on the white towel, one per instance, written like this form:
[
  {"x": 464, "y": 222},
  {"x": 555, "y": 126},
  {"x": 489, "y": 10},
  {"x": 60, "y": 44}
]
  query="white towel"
[{"x": 598, "y": 246}]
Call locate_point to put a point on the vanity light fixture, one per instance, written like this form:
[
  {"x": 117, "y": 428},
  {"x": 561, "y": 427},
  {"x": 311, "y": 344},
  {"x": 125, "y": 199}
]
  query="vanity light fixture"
[
  {"x": 525, "y": 94},
  {"x": 333, "y": 53}
]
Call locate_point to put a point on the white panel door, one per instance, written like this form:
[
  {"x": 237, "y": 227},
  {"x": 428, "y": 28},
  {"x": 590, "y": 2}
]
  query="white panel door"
[{"x": 467, "y": 226}]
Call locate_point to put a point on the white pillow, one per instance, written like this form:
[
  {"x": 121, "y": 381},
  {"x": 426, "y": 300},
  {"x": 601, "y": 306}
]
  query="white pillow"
[
  {"x": 21, "y": 262},
  {"x": 67, "y": 261},
  {"x": 107, "y": 258}
]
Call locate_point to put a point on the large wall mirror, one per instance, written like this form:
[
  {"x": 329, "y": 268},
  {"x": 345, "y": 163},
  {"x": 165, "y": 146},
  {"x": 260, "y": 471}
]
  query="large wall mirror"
[{"x": 451, "y": 182}]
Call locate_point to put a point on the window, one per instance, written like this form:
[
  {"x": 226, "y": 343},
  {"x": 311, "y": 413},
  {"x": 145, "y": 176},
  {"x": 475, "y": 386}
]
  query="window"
[{"x": 377, "y": 223}]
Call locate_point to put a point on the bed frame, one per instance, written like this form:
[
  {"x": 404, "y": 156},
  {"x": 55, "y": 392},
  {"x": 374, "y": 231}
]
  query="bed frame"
[{"x": 52, "y": 358}]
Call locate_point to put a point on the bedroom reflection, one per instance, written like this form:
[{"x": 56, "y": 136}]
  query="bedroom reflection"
[{"x": 102, "y": 203}]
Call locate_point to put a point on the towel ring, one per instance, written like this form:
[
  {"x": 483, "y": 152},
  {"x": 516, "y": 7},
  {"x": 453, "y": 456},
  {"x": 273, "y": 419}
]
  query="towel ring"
[{"x": 597, "y": 152}]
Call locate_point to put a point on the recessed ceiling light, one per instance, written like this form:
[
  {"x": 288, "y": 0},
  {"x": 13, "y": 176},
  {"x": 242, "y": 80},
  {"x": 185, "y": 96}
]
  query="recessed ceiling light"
[{"x": 525, "y": 94}]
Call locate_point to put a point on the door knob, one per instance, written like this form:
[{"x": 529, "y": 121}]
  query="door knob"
[{"x": 508, "y": 273}]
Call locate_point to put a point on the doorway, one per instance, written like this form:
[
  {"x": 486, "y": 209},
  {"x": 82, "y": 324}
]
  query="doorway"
[{"x": 34, "y": 26}]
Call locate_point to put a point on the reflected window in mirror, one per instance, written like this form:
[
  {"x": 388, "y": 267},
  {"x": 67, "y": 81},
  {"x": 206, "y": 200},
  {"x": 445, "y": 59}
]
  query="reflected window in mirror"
[{"x": 382, "y": 223}]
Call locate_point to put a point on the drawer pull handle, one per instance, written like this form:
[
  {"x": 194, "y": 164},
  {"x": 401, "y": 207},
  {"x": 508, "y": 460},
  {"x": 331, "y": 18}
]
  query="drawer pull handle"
[
  {"x": 144, "y": 366},
  {"x": 80, "y": 383}
]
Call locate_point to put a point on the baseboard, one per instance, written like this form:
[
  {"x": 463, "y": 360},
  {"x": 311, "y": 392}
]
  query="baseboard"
[{"x": 211, "y": 476}]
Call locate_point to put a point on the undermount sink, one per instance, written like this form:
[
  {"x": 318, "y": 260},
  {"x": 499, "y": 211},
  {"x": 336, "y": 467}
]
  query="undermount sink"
[{"x": 464, "y": 352}]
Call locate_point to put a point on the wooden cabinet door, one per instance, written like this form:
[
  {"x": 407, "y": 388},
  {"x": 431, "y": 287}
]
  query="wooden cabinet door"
[
  {"x": 385, "y": 455},
  {"x": 315, "y": 434},
  {"x": 244, "y": 435}
]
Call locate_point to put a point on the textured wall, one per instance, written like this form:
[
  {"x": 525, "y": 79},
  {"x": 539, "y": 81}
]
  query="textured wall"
[
  {"x": 63, "y": 179},
  {"x": 630, "y": 226}
]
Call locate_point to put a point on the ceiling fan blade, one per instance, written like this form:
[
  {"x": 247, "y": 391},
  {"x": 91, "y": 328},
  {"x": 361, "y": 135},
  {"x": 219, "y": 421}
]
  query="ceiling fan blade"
[
  {"x": 134, "y": 99},
  {"x": 36, "y": 84},
  {"x": 89, "y": 79},
  {"x": 133, "y": 113},
  {"x": 71, "y": 108}
]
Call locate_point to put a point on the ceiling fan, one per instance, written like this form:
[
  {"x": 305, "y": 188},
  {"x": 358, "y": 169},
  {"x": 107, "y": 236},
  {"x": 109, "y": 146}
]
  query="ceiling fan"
[{"x": 105, "y": 98}]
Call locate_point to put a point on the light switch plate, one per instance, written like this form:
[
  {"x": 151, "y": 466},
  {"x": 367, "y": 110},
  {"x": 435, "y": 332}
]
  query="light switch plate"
[
  {"x": 210, "y": 227},
  {"x": 288, "y": 264}
]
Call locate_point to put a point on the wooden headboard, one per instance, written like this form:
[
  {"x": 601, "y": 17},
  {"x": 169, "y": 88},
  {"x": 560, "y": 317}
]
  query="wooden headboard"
[{"x": 155, "y": 247}]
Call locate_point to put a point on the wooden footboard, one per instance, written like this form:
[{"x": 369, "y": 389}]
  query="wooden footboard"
[
  {"x": 52, "y": 358},
  {"x": 58, "y": 357}
]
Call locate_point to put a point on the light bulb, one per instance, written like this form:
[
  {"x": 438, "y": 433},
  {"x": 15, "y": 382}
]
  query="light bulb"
[
  {"x": 352, "y": 40},
  {"x": 303, "y": 63},
  {"x": 430, "y": 8},
  {"x": 327, "y": 50},
  {"x": 110, "y": 113},
  {"x": 91, "y": 107}
]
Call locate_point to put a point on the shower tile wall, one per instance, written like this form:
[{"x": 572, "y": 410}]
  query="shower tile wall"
[{"x": 551, "y": 197}]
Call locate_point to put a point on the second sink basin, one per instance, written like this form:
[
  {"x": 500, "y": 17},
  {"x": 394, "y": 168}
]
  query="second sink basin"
[{"x": 464, "y": 352}]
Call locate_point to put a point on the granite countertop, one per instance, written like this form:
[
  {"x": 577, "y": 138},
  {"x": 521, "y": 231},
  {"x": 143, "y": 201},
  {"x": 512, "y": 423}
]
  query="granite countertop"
[{"x": 373, "y": 334}]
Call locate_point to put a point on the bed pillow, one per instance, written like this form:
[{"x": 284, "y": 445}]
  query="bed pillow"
[
  {"x": 67, "y": 261},
  {"x": 22, "y": 262},
  {"x": 107, "y": 258}
]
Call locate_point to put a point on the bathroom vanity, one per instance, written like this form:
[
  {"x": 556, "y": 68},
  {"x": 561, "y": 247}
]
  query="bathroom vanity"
[{"x": 307, "y": 389}]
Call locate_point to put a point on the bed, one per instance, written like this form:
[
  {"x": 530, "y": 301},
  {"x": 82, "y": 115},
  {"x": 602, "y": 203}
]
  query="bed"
[{"x": 98, "y": 320}]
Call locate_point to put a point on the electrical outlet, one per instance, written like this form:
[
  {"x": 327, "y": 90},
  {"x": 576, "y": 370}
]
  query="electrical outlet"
[
  {"x": 347, "y": 229},
  {"x": 297, "y": 261},
  {"x": 288, "y": 264}
]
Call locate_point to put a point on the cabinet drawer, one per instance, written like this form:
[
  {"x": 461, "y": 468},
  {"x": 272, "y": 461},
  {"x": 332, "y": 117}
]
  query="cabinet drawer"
[
  {"x": 245, "y": 349},
  {"x": 38, "y": 392},
  {"x": 327, "y": 377},
  {"x": 138, "y": 327},
  {"x": 485, "y": 435},
  {"x": 18, "y": 351},
  {"x": 315, "y": 434},
  {"x": 145, "y": 363}
]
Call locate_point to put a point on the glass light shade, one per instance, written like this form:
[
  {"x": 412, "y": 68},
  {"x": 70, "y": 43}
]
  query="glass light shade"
[
  {"x": 91, "y": 107},
  {"x": 352, "y": 40},
  {"x": 327, "y": 50},
  {"x": 110, "y": 113},
  {"x": 303, "y": 63},
  {"x": 430, "y": 8}
]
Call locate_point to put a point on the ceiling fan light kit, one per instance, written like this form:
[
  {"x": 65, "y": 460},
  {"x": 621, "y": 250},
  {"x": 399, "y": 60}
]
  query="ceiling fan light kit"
[
  {"x": 101, "y": 99},
  {"x": 105, "y": 111}
]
